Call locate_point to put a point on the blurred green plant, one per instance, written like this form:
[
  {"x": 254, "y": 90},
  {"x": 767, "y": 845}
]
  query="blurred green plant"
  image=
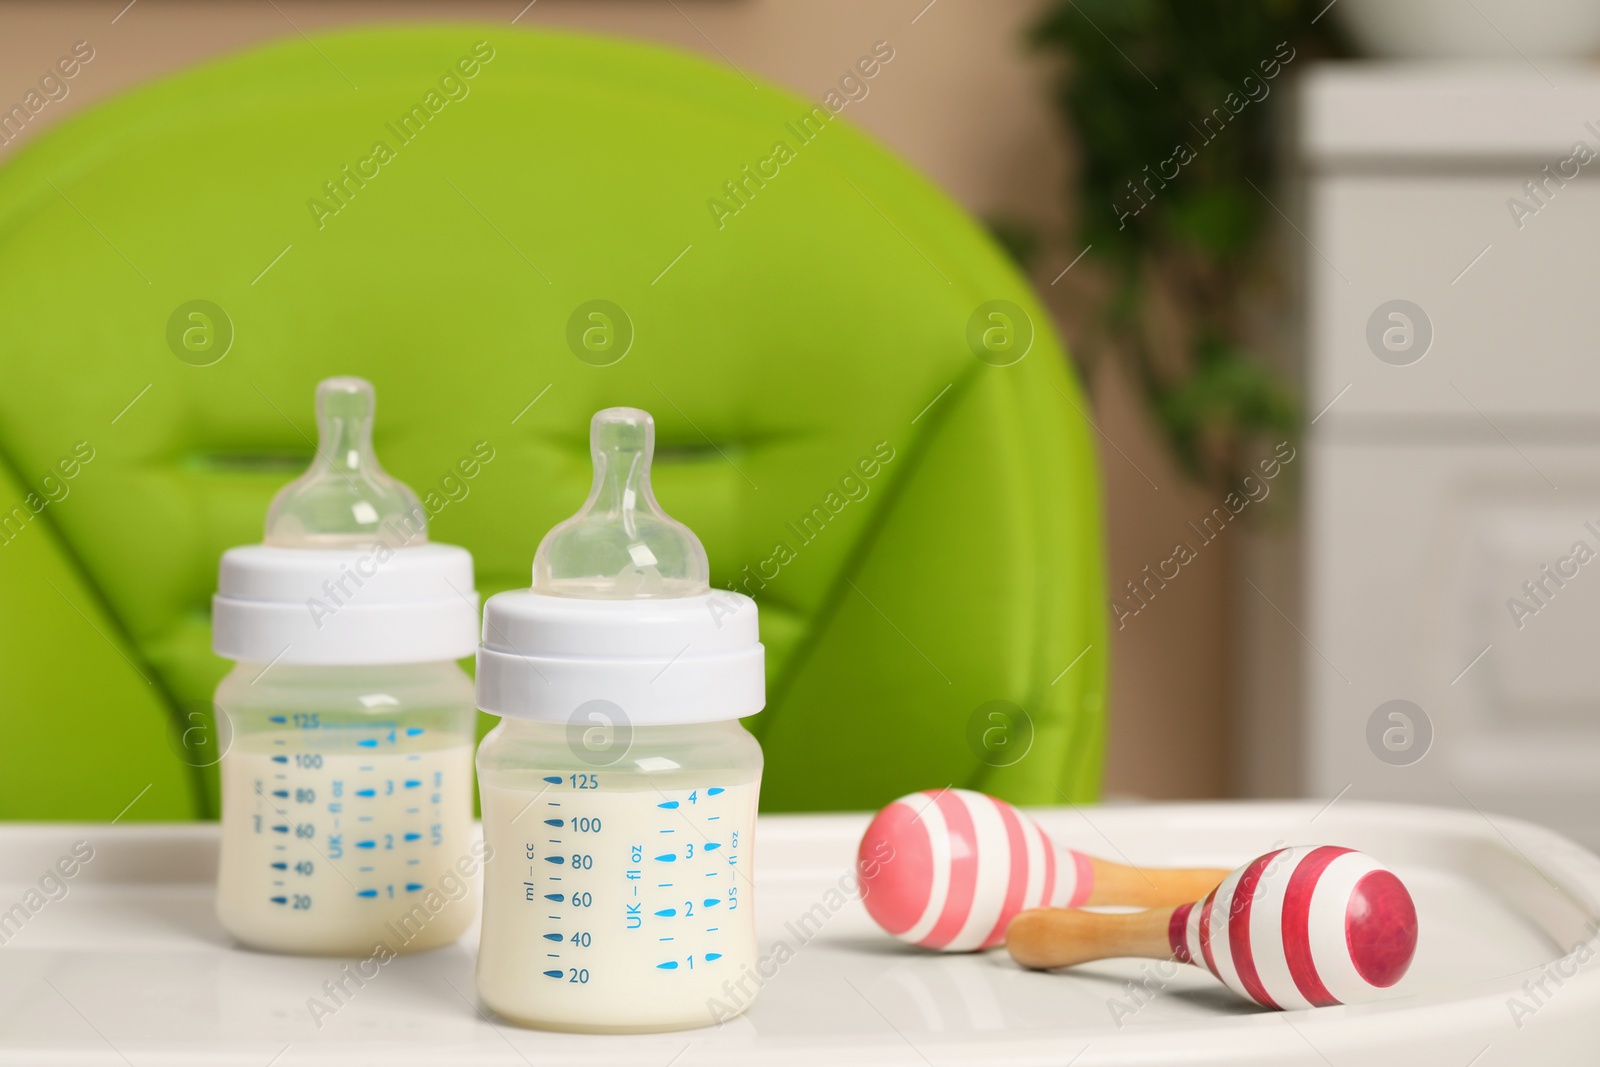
[{"x": 1171, "y": 106}]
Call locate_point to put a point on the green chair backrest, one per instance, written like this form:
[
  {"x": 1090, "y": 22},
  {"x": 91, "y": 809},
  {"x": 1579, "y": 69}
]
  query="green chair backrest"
[{"x": 506, "y": 231}]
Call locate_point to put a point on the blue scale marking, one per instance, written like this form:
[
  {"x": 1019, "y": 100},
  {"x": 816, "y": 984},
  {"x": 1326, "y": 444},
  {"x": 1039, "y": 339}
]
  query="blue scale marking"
[
  {"x": 713, "y": 956},
  {"x": 280, "y": 866},
  {"x": 555, "y": 859},
  {"x": 553, "y": 779},
  {"x": 712, "y": 846},
  {"x": 555, "y": 822},
  {"x": 413, "y": 731},
  {"x": 713, "y": 791},
  {"x": 280, "y": 829},
  {"x": 367, "y": 893},
  {"x": 412, "y": 887},
  {"x": 710, "y": 901},
  {"x": 366, "y": 792},
  {"x": 666, "y": 913},
  {"x": 413, "y": 837},
  {"x": 280, "y": 793},
  {"x": 668, "y": 857},
  {"x": 670, "y": 965},
  {"x": 669, "y": 805},
  {"x": 552, "y": 937},
  {"x": 553, "y": 974},
  {"x": 366, "y": 844},
  {"x": 369, "y": 742},
  {"x": 280, "y": 759},
  {"x": 277, "y": 719},
  {"x": 557, "y": 897},
  {"x": 280, "y": 900},
  {"x": 412, "y": 783}
]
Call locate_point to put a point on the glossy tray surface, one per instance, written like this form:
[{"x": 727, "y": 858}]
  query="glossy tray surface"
[{"x": 130, "y": 967}]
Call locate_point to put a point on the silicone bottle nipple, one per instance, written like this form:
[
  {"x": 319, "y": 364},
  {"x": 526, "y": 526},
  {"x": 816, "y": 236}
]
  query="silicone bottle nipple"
[
  {"x": 345, "y": 498},
  {"x": 621, "y": 545}
]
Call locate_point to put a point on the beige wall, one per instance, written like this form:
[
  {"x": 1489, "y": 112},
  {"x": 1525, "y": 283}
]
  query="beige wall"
[{"x": 965, "y": 103}]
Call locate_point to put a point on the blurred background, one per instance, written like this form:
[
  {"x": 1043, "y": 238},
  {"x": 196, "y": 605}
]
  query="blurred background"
[{"x": 1325, "y": 270}]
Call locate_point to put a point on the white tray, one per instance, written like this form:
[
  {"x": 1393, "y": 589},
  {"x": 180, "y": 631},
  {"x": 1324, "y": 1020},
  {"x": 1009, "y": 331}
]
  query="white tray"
[{"x": 131, "y": 967}]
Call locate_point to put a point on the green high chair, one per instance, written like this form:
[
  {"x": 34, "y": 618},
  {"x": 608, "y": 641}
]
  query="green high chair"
[{"x": 861, "y": 408}]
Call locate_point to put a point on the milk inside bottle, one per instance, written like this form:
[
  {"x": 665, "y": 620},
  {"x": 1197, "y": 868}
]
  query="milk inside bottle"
[
  {"x": 347, "y": 784},
  {"x": 619, "y": 789}
]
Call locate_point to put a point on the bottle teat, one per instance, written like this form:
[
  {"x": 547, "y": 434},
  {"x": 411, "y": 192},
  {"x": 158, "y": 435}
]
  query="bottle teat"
[
  {"x": 621, "y": 545},
  {"x": 345, "y": 497}
]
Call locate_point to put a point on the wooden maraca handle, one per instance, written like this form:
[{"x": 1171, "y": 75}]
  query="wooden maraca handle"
[
  {"x": 1150, "y": 887},
  {"x": 1062, "y": 937}
]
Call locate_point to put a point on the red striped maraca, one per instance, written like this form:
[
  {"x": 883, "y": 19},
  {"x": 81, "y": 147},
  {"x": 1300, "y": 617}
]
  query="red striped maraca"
[
  {"x": 948, "y": 869},
  {"x": 1297, "y": 928}
]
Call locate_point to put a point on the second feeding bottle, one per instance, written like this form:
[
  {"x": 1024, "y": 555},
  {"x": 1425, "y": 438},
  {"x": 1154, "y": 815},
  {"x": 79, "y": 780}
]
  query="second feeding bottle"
[{"x": 619, "y": 790}]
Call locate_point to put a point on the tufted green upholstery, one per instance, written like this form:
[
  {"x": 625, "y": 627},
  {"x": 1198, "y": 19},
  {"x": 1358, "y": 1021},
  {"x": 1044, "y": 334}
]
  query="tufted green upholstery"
[{"x": 778, "y": 346}]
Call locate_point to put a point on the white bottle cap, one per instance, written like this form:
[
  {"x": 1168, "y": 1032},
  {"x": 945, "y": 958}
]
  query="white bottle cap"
[
  {"x": 621, "y": 609},
  {"x": 366, "y": 604},
  {"x": 346, "y": 576}
]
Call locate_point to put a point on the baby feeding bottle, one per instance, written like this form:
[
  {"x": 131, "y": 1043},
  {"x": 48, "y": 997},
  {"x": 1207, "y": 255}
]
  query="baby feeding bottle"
[
  {"x": 619, "y": 789},
  {"x": 347, "y": 785}
]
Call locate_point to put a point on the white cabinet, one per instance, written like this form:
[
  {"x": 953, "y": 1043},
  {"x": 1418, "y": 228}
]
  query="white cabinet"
[{"x": 1454, "y": 470}]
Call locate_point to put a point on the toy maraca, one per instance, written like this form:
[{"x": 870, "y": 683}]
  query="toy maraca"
[
  {"x": 948, "y": 869},
  {"x": 1300, "y": 927}
]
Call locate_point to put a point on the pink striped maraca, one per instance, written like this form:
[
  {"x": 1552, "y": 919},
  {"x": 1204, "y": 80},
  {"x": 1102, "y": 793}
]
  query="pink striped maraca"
[
  {"x": 1300, "y": 927},
  {"x": 948, "y": 869}
]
